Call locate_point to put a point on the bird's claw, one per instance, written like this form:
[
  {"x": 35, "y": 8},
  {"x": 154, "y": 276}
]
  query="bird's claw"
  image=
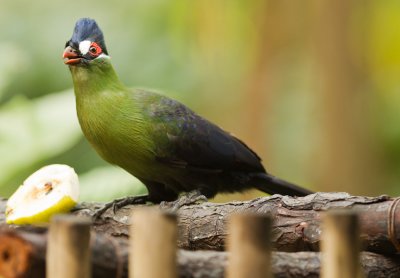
[
  {"x": 120, "y": 203},
  {"x": 186, "y": 199}
]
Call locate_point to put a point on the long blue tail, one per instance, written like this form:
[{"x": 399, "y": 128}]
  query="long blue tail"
[{"x": 273, "y": 185}]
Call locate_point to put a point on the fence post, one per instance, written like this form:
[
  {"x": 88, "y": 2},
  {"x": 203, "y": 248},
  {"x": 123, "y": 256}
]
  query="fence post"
[
  {"x": 340, "y": 245},
  {"x": 153, "y": 244},
  {"x": 249, "y": 246},
  {"x": 68, "y": 253}
]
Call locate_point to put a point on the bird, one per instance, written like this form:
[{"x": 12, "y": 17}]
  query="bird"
[{"x": 171, "y": 149}]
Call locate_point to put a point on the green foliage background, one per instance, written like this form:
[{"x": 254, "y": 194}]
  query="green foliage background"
[{"x": 205, "y": 51}]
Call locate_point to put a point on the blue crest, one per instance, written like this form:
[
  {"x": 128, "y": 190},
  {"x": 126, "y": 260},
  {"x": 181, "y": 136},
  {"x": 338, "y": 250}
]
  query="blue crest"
[{"x": 87, "y": 29}]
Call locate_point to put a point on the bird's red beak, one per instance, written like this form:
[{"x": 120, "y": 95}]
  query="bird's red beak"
[{"x": 71, "y": 56}]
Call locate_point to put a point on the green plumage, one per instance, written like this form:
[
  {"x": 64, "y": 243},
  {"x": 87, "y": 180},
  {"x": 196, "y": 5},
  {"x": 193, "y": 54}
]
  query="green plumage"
[{"x": 167, "y": 146}]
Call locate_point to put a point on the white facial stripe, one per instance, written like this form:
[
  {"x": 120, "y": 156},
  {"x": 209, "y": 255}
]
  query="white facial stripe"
[
  {"x": 84, "y": 47},
  {"x": 102, "y": 55}
]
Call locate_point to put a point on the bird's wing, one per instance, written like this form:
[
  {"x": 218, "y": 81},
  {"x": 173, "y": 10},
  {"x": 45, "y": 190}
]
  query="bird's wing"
[{"x": 184, "y": 139}]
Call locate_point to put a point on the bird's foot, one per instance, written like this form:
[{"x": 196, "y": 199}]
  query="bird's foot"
[
  {"x": 119, "y": 203},
  {"x": 185, "y": 199}
]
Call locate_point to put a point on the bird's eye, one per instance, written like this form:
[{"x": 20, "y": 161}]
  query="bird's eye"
[{"x": 94, "y": 49}]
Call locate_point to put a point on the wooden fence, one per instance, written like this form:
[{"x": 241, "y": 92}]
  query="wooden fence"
[{"x": 153, "y": 247}]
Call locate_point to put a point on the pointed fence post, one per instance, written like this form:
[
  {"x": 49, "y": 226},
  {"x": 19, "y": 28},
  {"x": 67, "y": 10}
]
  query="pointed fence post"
[
  {"x": 340, "y": 245},
  {"x": 249, "y": 246},
  {"x": 68, "y": 252},
  {"x": 153, "y": 244}
]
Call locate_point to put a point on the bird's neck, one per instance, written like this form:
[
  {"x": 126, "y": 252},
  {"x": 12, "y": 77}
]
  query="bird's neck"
[{"x": 95, "y": 78}]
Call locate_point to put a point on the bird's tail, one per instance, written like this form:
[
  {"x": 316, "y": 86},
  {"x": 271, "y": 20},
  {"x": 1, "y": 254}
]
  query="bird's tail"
[{"x": 273, "y": 185}]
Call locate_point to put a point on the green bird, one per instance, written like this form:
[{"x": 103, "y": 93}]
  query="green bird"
[{"x": 163, "y": 143}]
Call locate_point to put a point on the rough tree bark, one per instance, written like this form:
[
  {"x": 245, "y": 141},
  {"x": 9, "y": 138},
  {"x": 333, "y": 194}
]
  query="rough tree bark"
[
  {"x": 22, "y": 254},
  {"x": 296, "y": 221},
  {"x": 296, "y": 224}
]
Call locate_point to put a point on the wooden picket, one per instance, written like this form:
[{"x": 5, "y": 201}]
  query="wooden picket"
[{"x": 153, "y": 246}]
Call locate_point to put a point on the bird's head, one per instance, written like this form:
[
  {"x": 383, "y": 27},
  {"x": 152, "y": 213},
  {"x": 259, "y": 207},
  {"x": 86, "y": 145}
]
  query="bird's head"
[{"x": 86, "y": 44}]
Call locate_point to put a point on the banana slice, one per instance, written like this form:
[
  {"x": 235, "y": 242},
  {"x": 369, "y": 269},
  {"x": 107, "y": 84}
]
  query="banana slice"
[{"x": 51, "y": 190}]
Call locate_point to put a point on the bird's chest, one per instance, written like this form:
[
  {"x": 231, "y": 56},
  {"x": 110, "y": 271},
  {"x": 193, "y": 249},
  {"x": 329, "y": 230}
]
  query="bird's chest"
[{"x": 116, "y": 134}]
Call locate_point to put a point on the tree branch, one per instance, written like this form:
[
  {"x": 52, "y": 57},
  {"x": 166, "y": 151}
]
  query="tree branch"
[
  {"x": 22, "y": 254},
  {"x": 296, "y": 224}
]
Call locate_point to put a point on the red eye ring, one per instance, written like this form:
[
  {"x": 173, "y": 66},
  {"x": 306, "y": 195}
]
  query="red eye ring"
[{"x": 95, "y": 49}]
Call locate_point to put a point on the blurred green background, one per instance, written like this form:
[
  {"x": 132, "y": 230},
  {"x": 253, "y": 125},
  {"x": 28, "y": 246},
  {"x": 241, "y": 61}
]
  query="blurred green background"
[{"x": 312, "y": 86}]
